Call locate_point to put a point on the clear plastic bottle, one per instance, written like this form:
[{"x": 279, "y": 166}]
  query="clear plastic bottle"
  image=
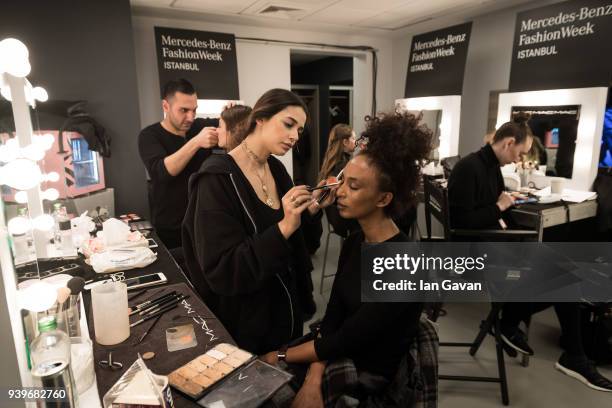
[
  {"x": 23, "y": 244},
  {"x": 50, "y": 353},
  {"x": 57, "y": 238},
  {"x": 65, "y": 230}
]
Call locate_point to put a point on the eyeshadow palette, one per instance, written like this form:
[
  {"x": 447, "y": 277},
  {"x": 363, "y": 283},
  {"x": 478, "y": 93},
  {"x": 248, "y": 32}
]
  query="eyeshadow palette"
[{"x": 202, "y": 373}]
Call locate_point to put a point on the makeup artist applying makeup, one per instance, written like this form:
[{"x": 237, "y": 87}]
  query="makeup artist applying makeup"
[
  {"x": 242, "y": 233},
  {"x": 378, "y": 184},
  {"x": 172, "y": 150}
]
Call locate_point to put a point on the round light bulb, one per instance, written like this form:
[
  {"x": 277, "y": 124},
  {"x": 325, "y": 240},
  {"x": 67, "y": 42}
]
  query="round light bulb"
[
  {"x": 38, "y": 297},
  {"x": 14, "y": 57},
  {"x": 8, "y": 154},
  {"x": 19, "y": 225},
  {"x": 40, "y": 94},
  {"x": 33, "y": 152},
  {"x": 50, "y": 194},
  {"x": 21, "y": 197},
  {"x": 21, "y": 174},
  {"x": 6, "y": 92},
  {"x": 44, "y": 141},
  {"x": 52, "y": 177},
  {"x": 43, "y": 222}
]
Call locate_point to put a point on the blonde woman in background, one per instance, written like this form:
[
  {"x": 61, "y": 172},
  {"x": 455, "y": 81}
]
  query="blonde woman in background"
[{"x": 339, "y": 148}]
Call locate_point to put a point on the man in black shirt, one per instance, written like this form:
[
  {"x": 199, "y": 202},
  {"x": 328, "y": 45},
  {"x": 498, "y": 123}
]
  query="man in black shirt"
[
  {"x": 476, "y": 187},
  {"x": 477, "y": 201},
  {"x": 171, "y": 151}
]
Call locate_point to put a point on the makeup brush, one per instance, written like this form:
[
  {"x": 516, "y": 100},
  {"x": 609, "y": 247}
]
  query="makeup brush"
[
  {"x": 62, "y": 295},
  {"x": 75, "y": 285}
]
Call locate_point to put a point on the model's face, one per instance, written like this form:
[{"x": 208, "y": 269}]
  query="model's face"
[
  {"x": 349, "y": 144},
  {"x": 513, "y": 152},
  {"x": 180, "y": 110},
  {"x": 282, "y": 131},
  {"x": 359, "y": 195},
  {"x": 223, "y": 134}
]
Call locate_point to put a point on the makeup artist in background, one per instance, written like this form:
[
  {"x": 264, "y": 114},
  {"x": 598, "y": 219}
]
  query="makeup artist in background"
[
  {"x": 379, "y": 183},
  {"x": 231, "y": 130},
  {"x": 242, "y": 233},
  {"x": 172, "y": 150}
]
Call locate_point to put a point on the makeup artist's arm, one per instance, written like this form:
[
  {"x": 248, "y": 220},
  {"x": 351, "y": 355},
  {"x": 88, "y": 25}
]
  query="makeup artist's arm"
[
  {"x": 234, "y": 261},
  {"x": 176, "y": 162}
]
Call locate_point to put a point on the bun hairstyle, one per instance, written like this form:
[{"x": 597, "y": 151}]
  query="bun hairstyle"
[
  {"x": 397, "y": 146},
  {"x": 235, "y": 119},
  {"x": 269, "y": 104},
  {"x": 518, "y": 128}
]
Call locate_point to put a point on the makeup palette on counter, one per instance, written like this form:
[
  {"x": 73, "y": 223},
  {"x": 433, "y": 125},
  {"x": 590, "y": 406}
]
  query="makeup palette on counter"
[{"x": 202, "y": 373}]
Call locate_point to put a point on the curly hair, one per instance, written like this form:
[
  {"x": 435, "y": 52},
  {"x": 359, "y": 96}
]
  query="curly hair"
[{"x": 397, "y": 146}]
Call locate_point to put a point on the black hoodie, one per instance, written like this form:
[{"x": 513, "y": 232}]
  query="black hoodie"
[{"x": 253, "y": 279}]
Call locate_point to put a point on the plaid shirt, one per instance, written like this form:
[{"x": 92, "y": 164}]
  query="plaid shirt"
[{"x": 415, "y": 384}]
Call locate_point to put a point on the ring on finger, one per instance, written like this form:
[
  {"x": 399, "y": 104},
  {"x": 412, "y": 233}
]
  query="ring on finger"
[{"x": 292, "y": 199}]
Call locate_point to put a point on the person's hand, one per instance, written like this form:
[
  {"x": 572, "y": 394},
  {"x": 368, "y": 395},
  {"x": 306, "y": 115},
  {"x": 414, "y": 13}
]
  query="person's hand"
[
  {"x": 270, "y": 358},
  {"x": 330, "y": 196},
  {"x": 230, "y": 104},
  {"x": 294, "y": 203},
  {"x": 207, "y": 138},
  {"x": 309, "y": 396},
  {"x": 504, "y": 201}
]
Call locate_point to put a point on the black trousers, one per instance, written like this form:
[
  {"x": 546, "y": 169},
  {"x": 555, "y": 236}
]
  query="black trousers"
[{"x": 567, "y": 313}]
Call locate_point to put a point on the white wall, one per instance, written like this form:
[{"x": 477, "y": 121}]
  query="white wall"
[{"x": 262, "y": 66}]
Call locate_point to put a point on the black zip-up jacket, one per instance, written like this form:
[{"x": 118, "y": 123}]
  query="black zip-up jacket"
[{"x": 253, "y": 279}]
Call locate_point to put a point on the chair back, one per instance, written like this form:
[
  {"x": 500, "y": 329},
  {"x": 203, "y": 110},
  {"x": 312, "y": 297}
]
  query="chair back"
[
  {"x": 448, "y": 163},
  {"x": 436, "y": 204}
]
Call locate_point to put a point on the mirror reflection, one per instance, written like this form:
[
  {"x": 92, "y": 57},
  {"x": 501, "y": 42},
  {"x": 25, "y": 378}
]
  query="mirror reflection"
[{"x": 555, "y": 129}]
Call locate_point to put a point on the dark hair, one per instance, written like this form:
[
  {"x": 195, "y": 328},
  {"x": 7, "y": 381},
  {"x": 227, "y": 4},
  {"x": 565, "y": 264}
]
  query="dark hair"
[
  {"x": 517, "y": 128},
  {"x": 397, "y": 146},
  {"x": 333, "y": 155},
  {"x": 269, "y": 104},
  {"x": 177, "y": 85},
  {"x": 235, "y": 119}
]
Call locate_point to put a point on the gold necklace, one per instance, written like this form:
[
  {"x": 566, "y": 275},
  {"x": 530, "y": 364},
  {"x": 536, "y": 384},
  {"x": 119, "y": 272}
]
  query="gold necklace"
[{"x": 269, "y": 201}]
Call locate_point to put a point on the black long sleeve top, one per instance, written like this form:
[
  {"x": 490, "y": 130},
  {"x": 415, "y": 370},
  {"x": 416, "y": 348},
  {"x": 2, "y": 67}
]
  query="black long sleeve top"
[
  {"x": 374, "y": 335},
  {"x": 253, "y": 279},
  {"x": 169, "y": 193},
  {"x": 474, "y": 186}
]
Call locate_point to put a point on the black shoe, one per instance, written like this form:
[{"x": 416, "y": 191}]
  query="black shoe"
[
  {"x": 584, "y": 371},
  {"x": 516, "y": 339}
]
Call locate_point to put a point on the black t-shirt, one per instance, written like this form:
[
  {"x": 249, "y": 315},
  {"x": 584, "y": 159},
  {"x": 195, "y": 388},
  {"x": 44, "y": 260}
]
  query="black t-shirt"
[
  {"x": 168, "y": 196},
  {"x": 374, "y": 335}
]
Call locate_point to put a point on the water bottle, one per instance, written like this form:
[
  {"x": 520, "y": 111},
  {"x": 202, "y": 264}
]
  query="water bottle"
[
  {"x": 51, "y": 362},
  {"x": 57, "y": 238},
  {"x": 65, "y": 230},
  {"x": 23, "y": 244}
]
